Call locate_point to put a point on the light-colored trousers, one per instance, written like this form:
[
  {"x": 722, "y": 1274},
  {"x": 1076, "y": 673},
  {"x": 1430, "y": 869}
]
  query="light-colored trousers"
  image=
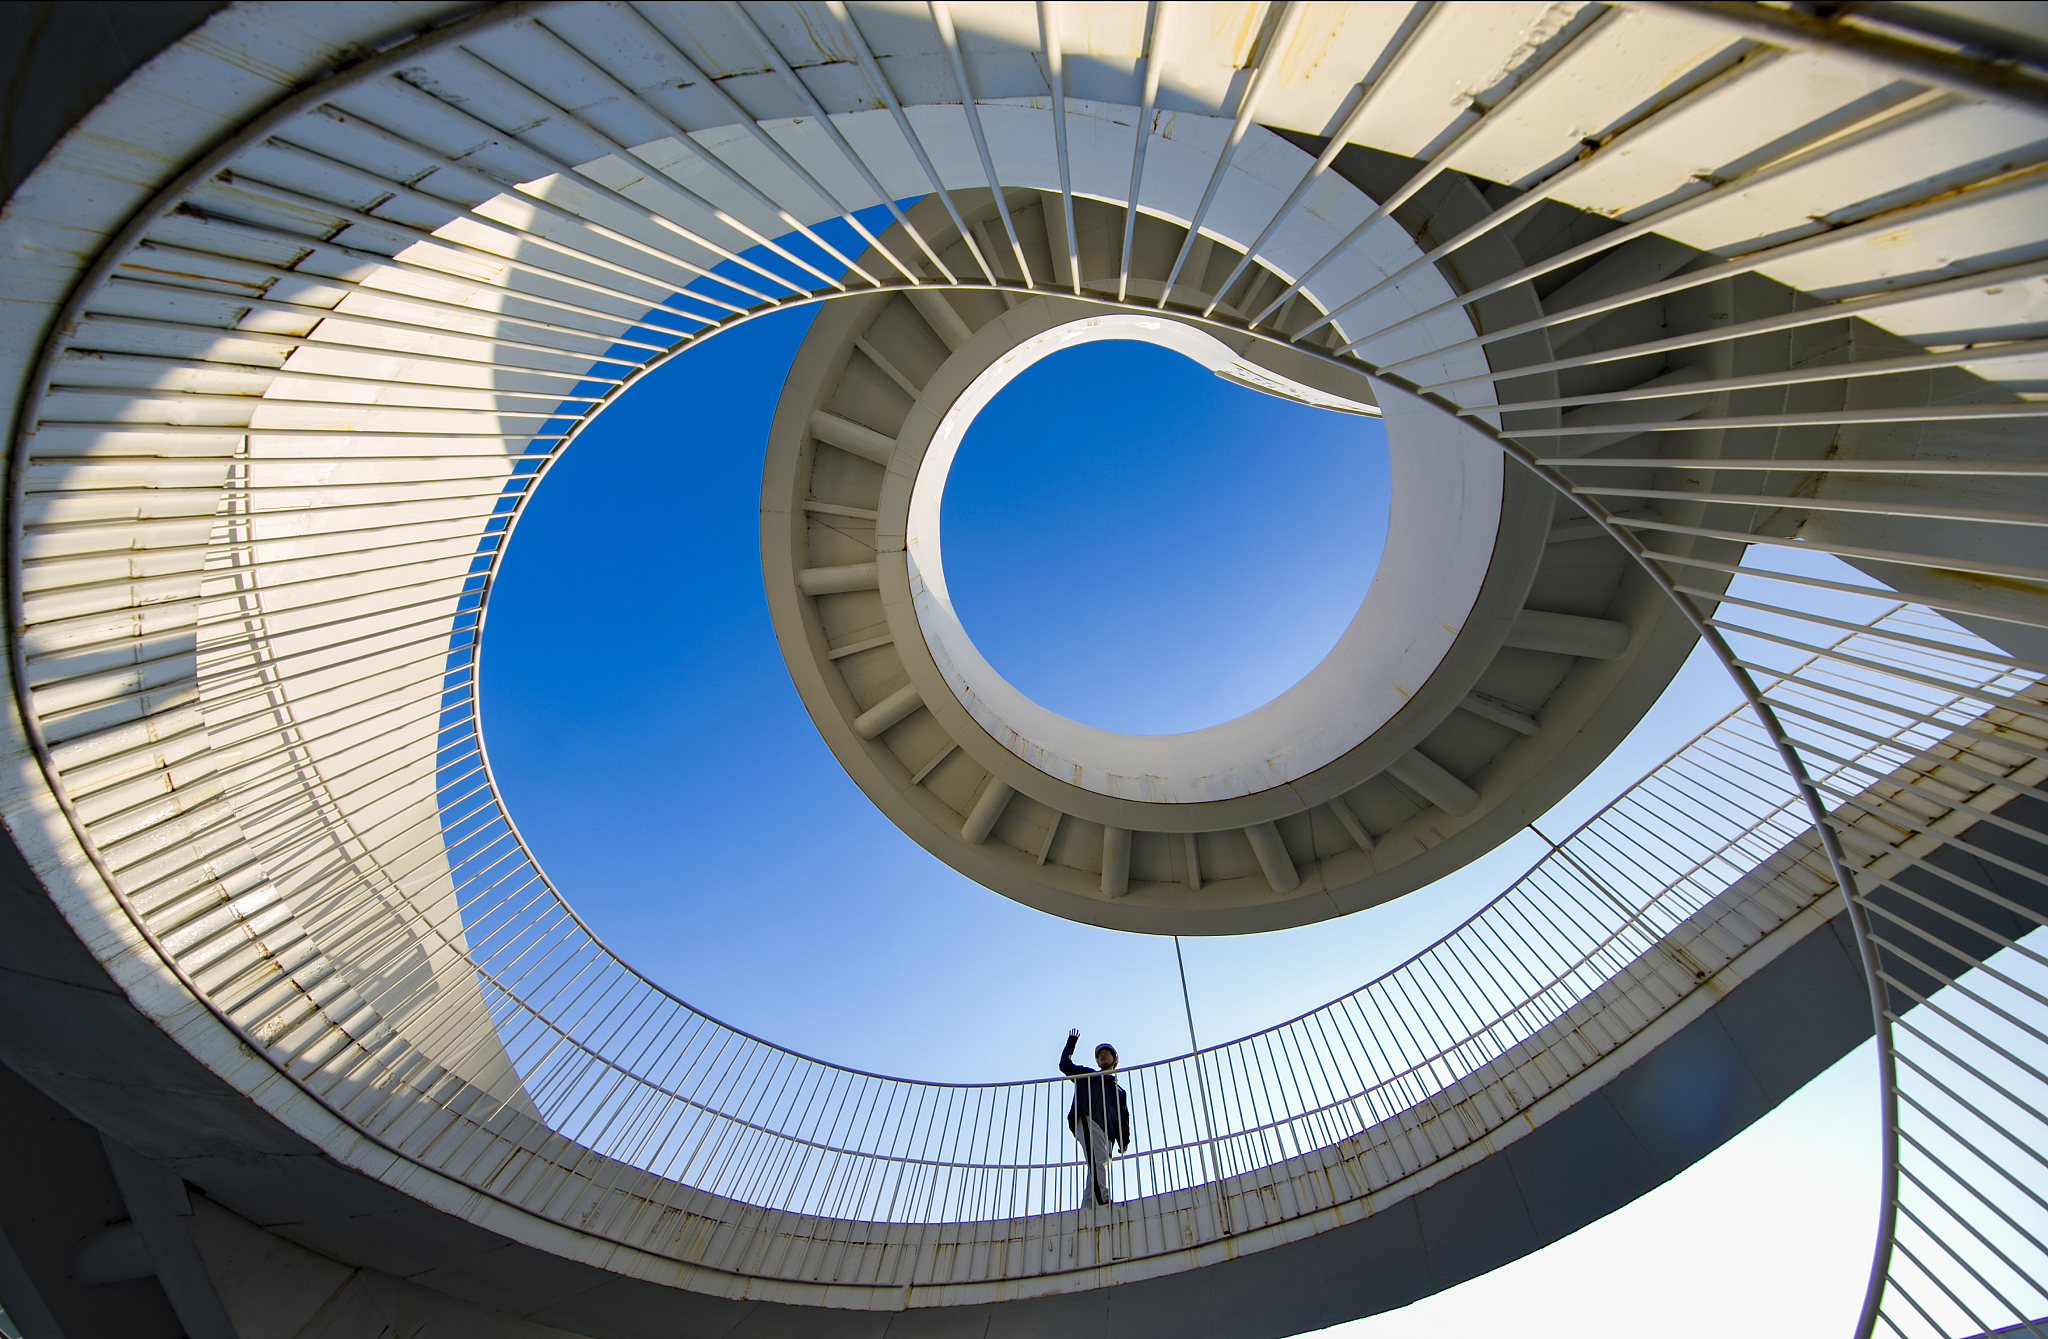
[{"x": 1097, "y": 1142}]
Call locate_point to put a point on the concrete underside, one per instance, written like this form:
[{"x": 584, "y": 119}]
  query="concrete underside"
[
  {"x": 290, "y": 1243},
  {"x": 288, "y": 1237},
  {"x": 57, "y": 60}
]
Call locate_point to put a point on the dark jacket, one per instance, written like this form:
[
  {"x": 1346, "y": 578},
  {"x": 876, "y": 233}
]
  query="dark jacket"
[{"x": 1097, "y": 1097}]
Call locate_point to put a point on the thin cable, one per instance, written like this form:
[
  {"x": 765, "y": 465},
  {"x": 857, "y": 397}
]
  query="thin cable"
[{"x": 1181, "y": 962}]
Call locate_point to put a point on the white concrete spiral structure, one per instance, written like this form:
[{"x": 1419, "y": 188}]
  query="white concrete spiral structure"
[
  {"x": 1349, "y": 788},
  {"x": 1673, "y": 296}
]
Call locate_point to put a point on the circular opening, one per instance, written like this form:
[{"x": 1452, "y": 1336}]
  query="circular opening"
[
  {"x": 1139, "y": 544},
  {"x": 1436, "y": 555}
]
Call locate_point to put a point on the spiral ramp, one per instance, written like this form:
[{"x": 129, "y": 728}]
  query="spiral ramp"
[{"x": 1673, "y": 298}]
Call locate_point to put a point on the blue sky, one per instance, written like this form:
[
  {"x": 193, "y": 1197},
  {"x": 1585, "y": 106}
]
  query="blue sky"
[
  {"x": 652, "y": 749},
  {"x": 1119, "y": 568},
  {"x": 674, "y": 786}
]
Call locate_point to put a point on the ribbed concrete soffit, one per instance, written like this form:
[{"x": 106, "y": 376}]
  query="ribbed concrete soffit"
[{"x": 1688, "y": 323}]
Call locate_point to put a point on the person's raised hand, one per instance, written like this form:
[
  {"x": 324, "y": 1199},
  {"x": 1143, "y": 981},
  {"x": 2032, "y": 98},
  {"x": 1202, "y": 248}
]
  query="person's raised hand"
[{"x": 1073, "y": 1034}]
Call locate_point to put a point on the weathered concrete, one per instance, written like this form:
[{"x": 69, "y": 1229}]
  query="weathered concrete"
[
  {"x": 60, "y": 57},
  {"x": 271, "y": 1197},
  {"x": 278, "y": 1224}
]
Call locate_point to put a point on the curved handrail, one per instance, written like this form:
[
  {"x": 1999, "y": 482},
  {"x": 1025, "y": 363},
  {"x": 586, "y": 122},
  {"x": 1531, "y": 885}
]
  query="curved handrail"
[{"x": 597, "y": 1036}]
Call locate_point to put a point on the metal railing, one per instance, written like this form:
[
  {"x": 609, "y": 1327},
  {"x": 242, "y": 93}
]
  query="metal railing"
[
  {"x": 623, "y": 1068},
  {"x": 335, "y": 877}
]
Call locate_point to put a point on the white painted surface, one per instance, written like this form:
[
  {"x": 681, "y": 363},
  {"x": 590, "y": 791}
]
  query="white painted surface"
[
  {"x": 1440, "y": 532},
  {"x": 114, "y": 626}
]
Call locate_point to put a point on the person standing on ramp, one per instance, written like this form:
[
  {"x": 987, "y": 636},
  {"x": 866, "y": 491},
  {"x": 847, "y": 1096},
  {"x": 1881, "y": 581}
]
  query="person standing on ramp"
[{"x": 1100, "y": 1115}]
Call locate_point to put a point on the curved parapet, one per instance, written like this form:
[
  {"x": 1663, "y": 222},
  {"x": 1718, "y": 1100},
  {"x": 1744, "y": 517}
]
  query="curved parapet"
[
  {"x": 1656, "y": 1063},
  {"x": 315, "y": 346},
  {"x": 1489, "y": 669}
]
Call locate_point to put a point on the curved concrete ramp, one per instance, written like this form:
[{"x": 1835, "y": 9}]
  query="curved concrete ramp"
[
  {"x": 318, "y": 294},
  {"x": 284, "y": 1229}
]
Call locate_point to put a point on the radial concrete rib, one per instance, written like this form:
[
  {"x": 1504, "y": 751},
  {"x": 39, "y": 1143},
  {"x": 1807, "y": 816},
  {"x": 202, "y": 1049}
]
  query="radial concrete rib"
[
  {"x": 889, "y": 368},
  {"x": 981, "y": 820},
  {"x": 855, "y": 648},
  {"x": 161, "y": 1210},
  {"x": 1351, "y": 825},
  {"x": 1593, "y": 415},
  {"x": 887, "y": 712},
  {"x": 1256, "y": 1221},
  {"x": 1052, "y": 833},
  {"x": 1434, "y": 784},
  {"x": 1568, "y": 634},
  {"x": 917, "y": 777},
  {"x": 1273, "y": 858},
  {"x": 837, "y": 509},
  {"x": 940, "y": 316},
  {"x": 838, "y": 580},
  {"x": 1498, "y": 714},
  {"x": 847, "y": 435},
  {"x": 1585, "y": 527},
  {"x": 1116, "y": 861},
  {"x": 1596, "y": 694}
]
